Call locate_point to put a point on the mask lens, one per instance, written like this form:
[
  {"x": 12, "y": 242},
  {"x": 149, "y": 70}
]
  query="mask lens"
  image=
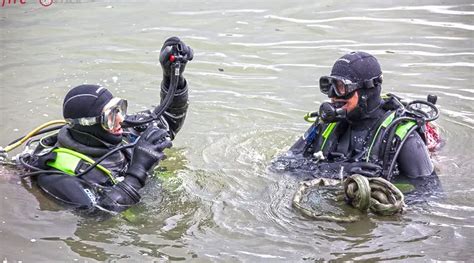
[
  {"x": 336, "y": 86},
  {"x": 340, "y": 89},
  {"x": 325, "y": 84},
  {"x": 112, "y": 118},
  {"x": 115, "y": 108}
]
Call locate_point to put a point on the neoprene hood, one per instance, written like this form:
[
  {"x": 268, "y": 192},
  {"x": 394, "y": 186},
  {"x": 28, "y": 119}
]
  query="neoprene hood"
[
  {"x": 356, "y": 66},
  {"x": 85, "y": 101}
]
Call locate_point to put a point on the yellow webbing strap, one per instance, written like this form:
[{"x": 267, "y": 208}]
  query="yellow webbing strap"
[{"x": 67, "y": 160}]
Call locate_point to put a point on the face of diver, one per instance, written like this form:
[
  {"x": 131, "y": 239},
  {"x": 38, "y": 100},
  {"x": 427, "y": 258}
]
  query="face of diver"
[
  {"x": 349, "y": 103},
  {"x": 117, "y": 124},
  {"x": 113, "y": 116}
]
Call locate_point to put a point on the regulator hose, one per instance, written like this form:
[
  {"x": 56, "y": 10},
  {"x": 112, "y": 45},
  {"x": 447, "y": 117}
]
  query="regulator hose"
[
  {"x": 34, "y": 132},
  {"x": 422, "y": 114},
  {"x": 43, "y": 131},
  {"x": 38, "y": 171},
  {"x": 160, "y": 109}
]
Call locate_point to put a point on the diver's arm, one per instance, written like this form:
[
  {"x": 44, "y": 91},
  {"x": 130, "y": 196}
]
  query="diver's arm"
[
  {"x": 121, "y": 196},
  {"x": 175, "y": 51},
  {"x": 414, "y": 160},
  {"x": 175, "y": 114},
  {"x": 147, "y": 152}
]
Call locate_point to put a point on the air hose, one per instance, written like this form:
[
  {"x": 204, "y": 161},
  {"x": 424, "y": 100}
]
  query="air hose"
[
  {"x": 43, "y": 131},
  {"x": 365, "y": 194},
  {"x": 156, "y": 114},
  {"x": 38, "y": 171},
  {"x": 34, "y": 132},
  {"x": 416, "y": 115}
]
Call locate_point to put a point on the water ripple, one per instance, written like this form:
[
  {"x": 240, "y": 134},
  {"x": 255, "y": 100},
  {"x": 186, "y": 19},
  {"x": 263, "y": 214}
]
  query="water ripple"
[
  {"x": 432, "y": 54},
  {"x": 242, "y": 65},
  {"x": 167, "y": 29},
  {"x": 446, "y": 38},
  {"x": 413, "y": 21},
  {"x": 452, "y": 64},
  {"x": 288, "y": 42},
  {"x": 234, "y": 77},
  {"x": 333, "y": 46},
  {"x": 437, "y": 9},
  {"x": 223, "y": 11},
  {"x": 464, "y": 116}
]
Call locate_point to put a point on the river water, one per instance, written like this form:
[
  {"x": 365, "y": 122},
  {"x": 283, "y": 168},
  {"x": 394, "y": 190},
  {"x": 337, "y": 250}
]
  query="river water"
[{"x": 253, "y": 78}]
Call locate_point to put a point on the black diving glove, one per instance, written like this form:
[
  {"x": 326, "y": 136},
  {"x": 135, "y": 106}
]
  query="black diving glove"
[
  {"x": 140, "y": 116},
  {"x": 174, "y": 46},
  {"x": 146, "y": 153},
  {"x": 119, "y": 198},
  {"x": 363, "y": 168}
]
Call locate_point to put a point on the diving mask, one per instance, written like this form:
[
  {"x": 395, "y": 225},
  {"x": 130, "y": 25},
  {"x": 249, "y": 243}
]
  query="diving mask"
[
  {"x": 109, "y": 117},
  {"x": 335, "y": 86},
  {"x": 340, "y": 87}
]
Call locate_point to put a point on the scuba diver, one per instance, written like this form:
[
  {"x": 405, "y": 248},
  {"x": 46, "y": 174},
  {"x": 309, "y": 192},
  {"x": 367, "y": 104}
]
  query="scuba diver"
[
  {"x": 99, "y": 160},
  {"x": 361, "y": 132}
]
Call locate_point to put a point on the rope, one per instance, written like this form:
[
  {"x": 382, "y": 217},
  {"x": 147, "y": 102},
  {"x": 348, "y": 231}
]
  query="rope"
[
  {"x": 357, "y": 192},
  {"x": 375, "y": 194}
]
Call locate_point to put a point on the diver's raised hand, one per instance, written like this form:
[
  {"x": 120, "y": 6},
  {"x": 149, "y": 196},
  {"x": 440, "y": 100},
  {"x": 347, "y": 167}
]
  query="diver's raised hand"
[{"x": 174, "y": 50}]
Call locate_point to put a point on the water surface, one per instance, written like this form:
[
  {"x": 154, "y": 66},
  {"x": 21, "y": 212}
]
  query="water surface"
[{"x": 253, "y": 78}]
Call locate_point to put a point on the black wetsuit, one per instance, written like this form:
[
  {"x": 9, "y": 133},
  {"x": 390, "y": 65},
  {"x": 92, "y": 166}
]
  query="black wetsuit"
[
  {"x": 90, "y": 190},
  {"x": 350, "y": 144},
  {"x": 364, "y": 140}
]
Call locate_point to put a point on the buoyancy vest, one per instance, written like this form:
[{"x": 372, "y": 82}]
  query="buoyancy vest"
[
  {"x": 73, "y": 163},
  {"x": 63, "y": 153},
  {"x": 390, "y": 127}
]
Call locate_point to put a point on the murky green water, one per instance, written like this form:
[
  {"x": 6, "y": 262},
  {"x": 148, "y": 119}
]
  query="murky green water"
[{"x": 253, "y": 78}]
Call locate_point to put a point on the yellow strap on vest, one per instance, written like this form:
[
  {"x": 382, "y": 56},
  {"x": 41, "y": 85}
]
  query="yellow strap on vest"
[
  {"x": 327, "y": 132},
  {"x": 384, "y": 124},
  {"x": 402, "y": 130},
  {"x": 67, "y": 161}
]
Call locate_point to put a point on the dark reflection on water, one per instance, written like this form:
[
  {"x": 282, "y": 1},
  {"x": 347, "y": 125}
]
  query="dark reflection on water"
[{"x": 253, "y": 78}]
